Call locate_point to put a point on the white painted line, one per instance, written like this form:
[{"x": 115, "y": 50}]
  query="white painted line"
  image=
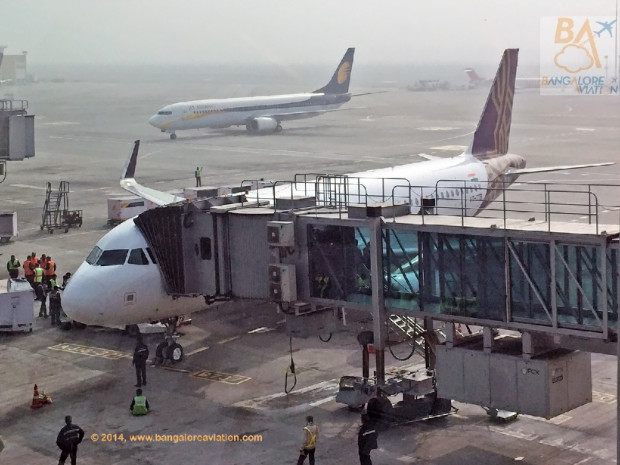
[
  {"x": 196, "y": 351},
  {"x": 224, "y": 341},
  {"x": 28, "y": 186}
]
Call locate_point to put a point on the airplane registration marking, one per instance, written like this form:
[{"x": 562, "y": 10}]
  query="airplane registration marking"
[
  {"x": 221, "y": 377},
  {"x": 90, "y": 351}
]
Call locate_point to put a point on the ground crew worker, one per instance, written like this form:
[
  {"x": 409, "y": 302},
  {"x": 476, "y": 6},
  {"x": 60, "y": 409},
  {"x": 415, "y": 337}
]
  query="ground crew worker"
[
  {"x": 140, "y": 356},
  {"x": 139, "y": 404},
  {"x": 13, "y": 266},
  {"x": 38, "y": 274},
  {"x": 311, "y": 432},
  {"x": 49, "y": 269},
  {"x": 68, "y": 439},
  {"x": 366, "y": 440},
  {"x": 55, "y": 306},
  {"x": 198, "y": 174},
  {"x": 28, "y": 271},
  {"x": 53, "y": 283},
  {"x": 42, "y": 297}
]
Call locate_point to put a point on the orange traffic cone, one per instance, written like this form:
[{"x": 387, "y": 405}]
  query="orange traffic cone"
[{"x": 36, "y": 400}]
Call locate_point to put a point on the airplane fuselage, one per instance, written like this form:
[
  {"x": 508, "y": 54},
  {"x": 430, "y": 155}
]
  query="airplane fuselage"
[{"x": 223, "y": 113}]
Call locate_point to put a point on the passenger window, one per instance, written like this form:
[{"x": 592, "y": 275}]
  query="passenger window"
[
  {"x": 151, "y": 255},
  {"x": 137, "y": 257},
  {"x": 112, "y": 257}
]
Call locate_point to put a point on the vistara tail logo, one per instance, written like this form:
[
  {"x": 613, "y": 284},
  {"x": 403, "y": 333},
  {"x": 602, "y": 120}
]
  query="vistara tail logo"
[
  {"x": 344, "y": 72},
  {"x": 578, "y": 55}
]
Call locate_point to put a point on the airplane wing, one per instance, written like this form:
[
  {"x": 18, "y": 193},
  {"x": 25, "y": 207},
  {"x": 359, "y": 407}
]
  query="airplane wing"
[
  {"x": 129, "y": 183},
  {"x": 556, "y": 168}
]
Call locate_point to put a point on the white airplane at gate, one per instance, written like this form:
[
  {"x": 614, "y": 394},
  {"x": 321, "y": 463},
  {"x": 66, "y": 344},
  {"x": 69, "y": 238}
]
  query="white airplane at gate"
[
  {"x": 120, "y": 282},
  {"x": 257, "y": 114}
]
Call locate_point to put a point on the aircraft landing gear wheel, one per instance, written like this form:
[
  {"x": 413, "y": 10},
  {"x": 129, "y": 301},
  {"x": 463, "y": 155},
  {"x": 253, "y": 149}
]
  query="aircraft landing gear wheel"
[
  {"x": 279, "y": 128},
  {"x": 173, "y": 136},
  {"x": 132, "y": 330},
  {"x": 175, "y": 353}
]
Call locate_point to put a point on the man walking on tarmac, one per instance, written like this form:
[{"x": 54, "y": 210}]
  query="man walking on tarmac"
[
  {"x": 198, "y": 174},
  {"x": 67, "y": 441},
  {"x": 311, "y": 431},
  {"x": 140, "y": 356},
  {"x": 366, "y": 440}
]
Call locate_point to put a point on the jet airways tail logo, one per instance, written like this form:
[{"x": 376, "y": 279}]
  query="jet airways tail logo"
[
  {"x": 578, "y": 55},
  {"x": 344, "y": 72}
]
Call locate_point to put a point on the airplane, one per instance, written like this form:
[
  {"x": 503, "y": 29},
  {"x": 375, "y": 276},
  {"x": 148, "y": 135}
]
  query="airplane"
[
  {"x": 257, "y": 114},
  {"x": 476, "y": 81},
  {"x": 606, "y": 27},
  {"x": 120, "y": 282}
]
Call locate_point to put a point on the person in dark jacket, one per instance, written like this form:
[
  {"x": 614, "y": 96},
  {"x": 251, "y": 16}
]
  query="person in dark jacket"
[
  {"x": 55, "y": 306},
  {"x": 68, "y": 439},
  {"x": 366, "y": 440},
  {"x": 140, "y": 356}
]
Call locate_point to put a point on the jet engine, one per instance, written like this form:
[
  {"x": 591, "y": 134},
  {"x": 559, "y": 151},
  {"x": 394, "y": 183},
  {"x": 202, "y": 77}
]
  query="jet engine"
[{"x": 263, "y": 124}]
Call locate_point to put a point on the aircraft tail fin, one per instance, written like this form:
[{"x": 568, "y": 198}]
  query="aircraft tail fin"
[
  {"x": 339, "y": 83},
  {"x": 129, "y": 183},
  {"x": 491, "y": 136},
  {"x": 472, "y": 75}
]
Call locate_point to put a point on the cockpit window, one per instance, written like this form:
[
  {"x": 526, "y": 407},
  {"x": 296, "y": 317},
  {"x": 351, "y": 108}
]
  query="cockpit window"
[
  {"x": 164, "y": 112},
  {"x": 151, "y": 255},
  {"x": 137, "y": 257},
  {"x": 112, "y": 257},
  {"x": 93, "y": 256}
]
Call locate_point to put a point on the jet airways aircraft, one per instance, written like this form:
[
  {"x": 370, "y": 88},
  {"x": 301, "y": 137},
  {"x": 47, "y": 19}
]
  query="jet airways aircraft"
[
  {"x": 120, "y": 282},
  {"x": 257, "y": 114}
]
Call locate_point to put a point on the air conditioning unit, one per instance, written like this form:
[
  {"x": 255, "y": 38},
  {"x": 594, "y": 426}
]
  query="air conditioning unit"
[
  {"x": 281, "y": 233},
  {"x": 282, "y": 283}
]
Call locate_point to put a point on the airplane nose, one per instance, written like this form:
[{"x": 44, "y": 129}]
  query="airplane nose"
[
  {"x": 154, "y": 121},
  {"x": 83, "y": 303}
]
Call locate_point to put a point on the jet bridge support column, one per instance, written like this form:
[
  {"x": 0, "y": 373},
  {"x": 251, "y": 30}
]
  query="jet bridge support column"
[{"x": 379, "y": 315}]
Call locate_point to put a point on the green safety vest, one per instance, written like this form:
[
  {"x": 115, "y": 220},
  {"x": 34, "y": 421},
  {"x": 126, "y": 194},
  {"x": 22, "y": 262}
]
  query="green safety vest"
[
  {"x": 14, "y": 265},
  {"x": 139, "y": 406},
  {"x": 38, "y": 274}
]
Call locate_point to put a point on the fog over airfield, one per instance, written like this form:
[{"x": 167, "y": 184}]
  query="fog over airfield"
[{"x": 279, "y": 31}]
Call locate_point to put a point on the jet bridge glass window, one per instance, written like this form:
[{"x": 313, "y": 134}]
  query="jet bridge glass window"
[
  {"x": 113, "y": 257},
  {"x": 137, "y": 257}
]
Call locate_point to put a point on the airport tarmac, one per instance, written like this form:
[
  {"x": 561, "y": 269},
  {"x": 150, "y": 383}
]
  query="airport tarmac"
[{"x": 232, "y": 381}]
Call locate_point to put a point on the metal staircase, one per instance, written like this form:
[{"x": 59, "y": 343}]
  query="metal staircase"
[
  {"x": 409, "y": 330},
  {"x": 56, "y": 206}
]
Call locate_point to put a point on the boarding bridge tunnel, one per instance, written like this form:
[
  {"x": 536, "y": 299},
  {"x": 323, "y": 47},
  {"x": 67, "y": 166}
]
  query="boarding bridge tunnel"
[{"x": 552, "y": 284}]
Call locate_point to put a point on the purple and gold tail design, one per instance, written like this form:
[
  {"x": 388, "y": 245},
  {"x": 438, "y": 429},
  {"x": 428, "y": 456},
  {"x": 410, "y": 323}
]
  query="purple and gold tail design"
[{"x": 493, "y": 131}]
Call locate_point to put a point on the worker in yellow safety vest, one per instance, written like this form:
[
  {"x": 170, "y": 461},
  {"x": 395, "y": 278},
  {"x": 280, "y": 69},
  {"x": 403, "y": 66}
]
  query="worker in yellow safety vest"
[
  {"x": 311, "y": 431},
  {"x": 139, "y": 404}
]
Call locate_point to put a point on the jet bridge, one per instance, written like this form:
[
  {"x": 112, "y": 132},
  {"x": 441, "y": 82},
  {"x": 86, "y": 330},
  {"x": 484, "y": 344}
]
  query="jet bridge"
[{"x": 537, "y": 270}]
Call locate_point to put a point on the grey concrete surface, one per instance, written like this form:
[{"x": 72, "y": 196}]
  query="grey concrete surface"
[{"x": 84, "y": 133}]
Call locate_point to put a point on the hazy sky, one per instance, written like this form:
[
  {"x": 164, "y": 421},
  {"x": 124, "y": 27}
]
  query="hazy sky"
[{"x": 279, "y": 31}]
